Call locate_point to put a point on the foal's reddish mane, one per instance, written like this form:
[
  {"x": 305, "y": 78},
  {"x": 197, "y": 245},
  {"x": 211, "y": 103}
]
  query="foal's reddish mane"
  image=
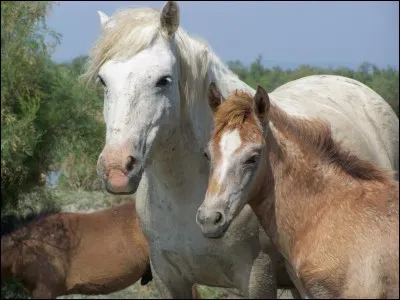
[
  {"x": 233, "y": 112},
  {"x": 313, "y": 135}
]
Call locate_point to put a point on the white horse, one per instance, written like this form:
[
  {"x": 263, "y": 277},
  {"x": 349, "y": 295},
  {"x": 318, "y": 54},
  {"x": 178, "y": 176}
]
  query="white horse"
[{"x": 155, "y": 80}]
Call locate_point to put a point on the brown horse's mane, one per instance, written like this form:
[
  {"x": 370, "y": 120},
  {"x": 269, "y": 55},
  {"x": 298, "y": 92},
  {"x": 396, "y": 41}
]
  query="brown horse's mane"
[
  {"x": 12, "y": 222},
  {"x": 233, "y": 112},
  {"x": 312, "y": 134}
]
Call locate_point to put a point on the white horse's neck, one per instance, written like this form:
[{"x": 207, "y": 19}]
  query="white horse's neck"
[
  {"x": 219, "y": 73},
  {"x": 182, "y": 155},
  {"x": 226, "y": 80}
]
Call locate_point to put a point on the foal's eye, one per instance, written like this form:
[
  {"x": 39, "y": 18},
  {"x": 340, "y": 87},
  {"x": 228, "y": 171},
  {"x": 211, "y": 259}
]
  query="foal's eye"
[
  {"x": 101, "y": 80},
  {"x": 206, "y": 155},
  {"x": 252, "y": 160},
  {"x": 164, "y": 81}
]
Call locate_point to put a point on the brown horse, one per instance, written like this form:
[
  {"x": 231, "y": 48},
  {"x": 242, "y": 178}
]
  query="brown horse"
[
  {"x": 77, "y": 253},
  {"x": 333, "y": 216}
]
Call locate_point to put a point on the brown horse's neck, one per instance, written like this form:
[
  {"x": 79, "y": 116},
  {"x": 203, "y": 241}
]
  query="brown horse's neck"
[{"x": 294, "y": 183}]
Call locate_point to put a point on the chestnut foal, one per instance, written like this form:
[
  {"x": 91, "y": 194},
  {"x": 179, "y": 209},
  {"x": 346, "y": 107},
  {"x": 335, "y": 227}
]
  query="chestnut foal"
[{"x": 333, "y": 216}]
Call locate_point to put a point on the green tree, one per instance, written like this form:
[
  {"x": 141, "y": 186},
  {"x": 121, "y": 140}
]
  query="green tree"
[
  {"x": 49, "y": 119},
  {"x": 23, "y": 50},
  {"x": 256, "y": 69}
]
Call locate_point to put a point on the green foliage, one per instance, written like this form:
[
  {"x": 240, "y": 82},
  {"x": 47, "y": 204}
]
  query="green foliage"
[
  {"x": 71, "y": 117},
  {"x": 48, "y": 118},
  {"x": 12, "y": 289},
  {"x": 23, "y": 48}
]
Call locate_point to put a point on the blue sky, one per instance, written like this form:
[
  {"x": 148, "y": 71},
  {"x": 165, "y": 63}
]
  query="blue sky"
[{"x": 287, "y": 33}]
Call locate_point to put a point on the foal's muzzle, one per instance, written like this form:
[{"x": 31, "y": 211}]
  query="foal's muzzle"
[{"x": 212, "y": 223}]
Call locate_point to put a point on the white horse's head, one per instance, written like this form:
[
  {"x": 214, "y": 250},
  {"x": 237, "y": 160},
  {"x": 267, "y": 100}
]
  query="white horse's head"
[{"x": 142, "y": 60}]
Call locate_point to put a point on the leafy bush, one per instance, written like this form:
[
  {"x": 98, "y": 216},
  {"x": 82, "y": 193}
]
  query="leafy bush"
[
  {"x": 23, "y": 50},
  {"x": 49, "y": 119}
]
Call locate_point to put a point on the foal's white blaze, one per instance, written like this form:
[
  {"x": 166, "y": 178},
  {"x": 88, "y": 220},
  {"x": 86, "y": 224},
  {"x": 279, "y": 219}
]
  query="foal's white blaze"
[{"x": 229, "y": 143}]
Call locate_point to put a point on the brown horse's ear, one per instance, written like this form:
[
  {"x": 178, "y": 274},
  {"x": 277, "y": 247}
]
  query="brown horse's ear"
[
  {"x": 170, "y": 17},
  {"x": 261, "y": 102},
  {"x": 215, "y": 97}
]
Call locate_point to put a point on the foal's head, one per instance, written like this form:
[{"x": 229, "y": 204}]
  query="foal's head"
[{"x": 235, "y": 150}]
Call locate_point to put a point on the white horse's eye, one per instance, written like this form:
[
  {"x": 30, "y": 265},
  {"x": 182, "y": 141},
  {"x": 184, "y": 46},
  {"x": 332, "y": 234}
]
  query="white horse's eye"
[
  {"x": 101, "y": 80},
  {"x": 163, "y": 81}
]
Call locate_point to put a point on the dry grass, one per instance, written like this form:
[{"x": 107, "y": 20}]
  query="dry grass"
[{"x": 149, "y": 291}]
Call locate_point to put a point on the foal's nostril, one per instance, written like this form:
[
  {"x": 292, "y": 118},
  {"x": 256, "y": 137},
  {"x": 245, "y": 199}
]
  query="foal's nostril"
[
  {"x": 130, "y": 163},
  {"x": 213, "y": 218},
  {"x": 217, "y": 218}
]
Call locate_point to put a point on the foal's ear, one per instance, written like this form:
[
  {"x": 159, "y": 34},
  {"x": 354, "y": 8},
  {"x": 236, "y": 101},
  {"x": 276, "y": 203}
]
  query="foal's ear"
[
  {"x": 261, "y": 102},
  {"x": 170, "y": 17},
  {"x": 215, "y": 97}
]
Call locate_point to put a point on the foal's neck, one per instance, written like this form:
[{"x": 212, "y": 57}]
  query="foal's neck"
[{"x": 292, "y": 185}]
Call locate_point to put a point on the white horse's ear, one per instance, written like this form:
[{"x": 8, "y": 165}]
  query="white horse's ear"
[
  {"x": 215, "y": 97},
  {"x": 261, "y": 102},
  {"x": 103, "y": 18},
  {"x": 170, "y": 17}
]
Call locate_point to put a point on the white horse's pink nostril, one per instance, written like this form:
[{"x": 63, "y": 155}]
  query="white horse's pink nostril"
[
  {"x": 130, "y": 163},
  {"x": 117, "y": 181}
]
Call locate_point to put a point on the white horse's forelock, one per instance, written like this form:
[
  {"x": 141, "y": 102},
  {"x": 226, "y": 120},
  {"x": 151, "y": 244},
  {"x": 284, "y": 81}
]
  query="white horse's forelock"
[
  {"x": 132, "y": 31},
  {"x": 135, "y": 29}
]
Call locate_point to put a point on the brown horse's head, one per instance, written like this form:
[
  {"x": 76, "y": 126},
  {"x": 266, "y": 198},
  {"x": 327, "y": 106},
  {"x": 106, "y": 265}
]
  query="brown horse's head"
[{"x": 234, "y": 153}]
